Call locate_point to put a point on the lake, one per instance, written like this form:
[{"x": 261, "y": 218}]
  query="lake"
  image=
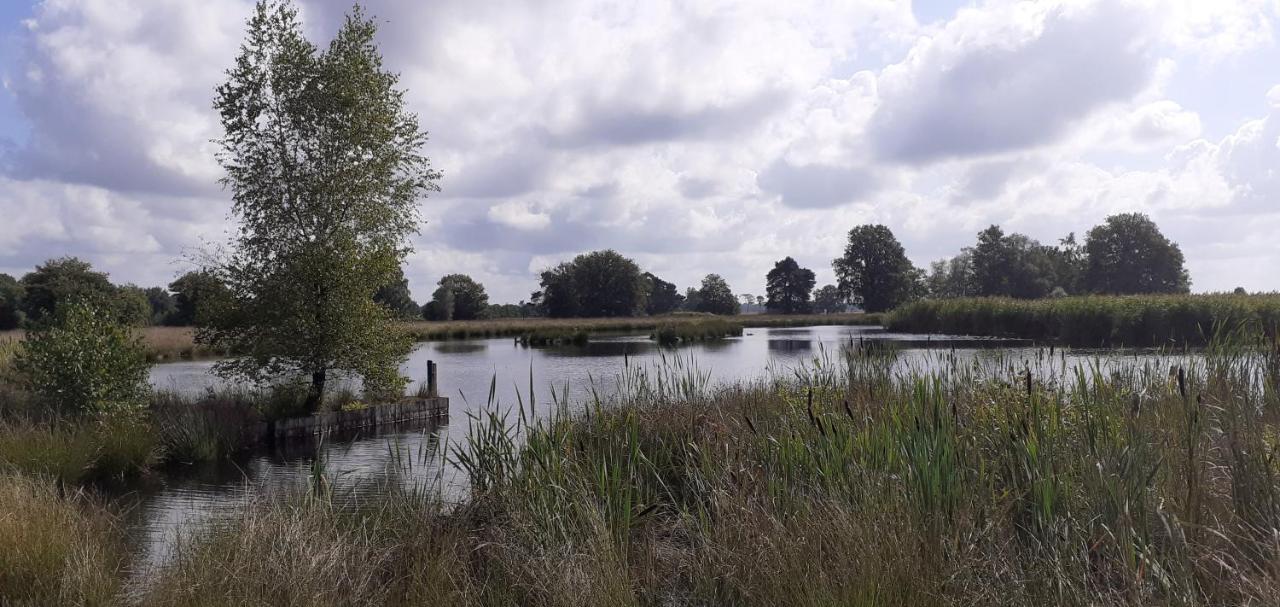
[{"x": 179, "y": 501}]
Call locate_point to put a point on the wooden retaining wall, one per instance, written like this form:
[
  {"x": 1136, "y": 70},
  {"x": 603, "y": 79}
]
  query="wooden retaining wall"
[{"x": 342, "y": 422}]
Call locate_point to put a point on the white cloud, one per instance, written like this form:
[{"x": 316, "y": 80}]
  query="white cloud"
[{"x": 712, "y": 136}]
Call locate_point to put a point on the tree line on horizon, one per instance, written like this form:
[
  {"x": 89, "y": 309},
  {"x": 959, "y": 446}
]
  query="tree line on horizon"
[{"x": 1127, "y": 254}]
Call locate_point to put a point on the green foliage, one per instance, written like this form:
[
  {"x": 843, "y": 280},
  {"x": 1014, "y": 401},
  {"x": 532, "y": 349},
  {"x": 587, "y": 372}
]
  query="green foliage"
[
  {"x": 11, "y": 312},
  {"x": 162, "y": 304},
  {"x": 194, "y": 293},
  {"x": 663, "y": 296},
  {"x": 132, "y": 305},
  {"x": 1095, "y": 321},
  {"x": 68, "y": 279},
  {"x": 395, "y": 296},
  {"x": 952, "y": 277},
  {"x": 672, "y": 333},
  {"x": 829, "y": 300},
  {"x": 596, "y": 284},
  {"x": 499, "y": 311},
  {"x": 1128, "y": 254},
  {"x": 324, "y": 167},
  {"x": 715, "y": 297},
  {"x": 875, "y": 271},
  {"x": 789, "y": 286},
  {"x": 83, "y": 361},
  {"x": 458, "y": 297},
  {"x": 1012, "y": 266}
]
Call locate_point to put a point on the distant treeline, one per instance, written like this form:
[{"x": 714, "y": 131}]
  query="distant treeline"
[
  {"x": 1127, "y": 254},
  {"x": 38, "y": 293}
]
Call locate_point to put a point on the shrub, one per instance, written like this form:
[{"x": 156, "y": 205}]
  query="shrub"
[{"x": 84, "y": 361}]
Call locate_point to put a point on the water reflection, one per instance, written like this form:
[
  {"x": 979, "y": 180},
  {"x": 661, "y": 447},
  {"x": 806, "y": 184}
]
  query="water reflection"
[
  {"x": 184, "y": 498},
  {"x": 790, "y": 345}
]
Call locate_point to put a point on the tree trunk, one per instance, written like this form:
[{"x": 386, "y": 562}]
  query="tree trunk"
[{"x": 316, "y": 396}]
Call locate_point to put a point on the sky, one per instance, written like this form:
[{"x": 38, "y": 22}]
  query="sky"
[{"x": 694, "y": 137}]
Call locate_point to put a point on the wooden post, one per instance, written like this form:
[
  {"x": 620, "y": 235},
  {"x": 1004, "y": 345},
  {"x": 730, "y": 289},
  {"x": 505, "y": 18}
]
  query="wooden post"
[{"x": 432, "y": 389}]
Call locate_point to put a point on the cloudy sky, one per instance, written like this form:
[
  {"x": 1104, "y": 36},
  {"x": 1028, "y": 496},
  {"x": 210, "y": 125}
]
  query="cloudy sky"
[{"x": 693, "y": 136}]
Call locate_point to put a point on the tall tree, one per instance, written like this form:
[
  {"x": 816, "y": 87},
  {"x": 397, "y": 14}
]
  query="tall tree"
[
  {"x": 10, "y": 303},
  {"x": 608, "y": 284},
  {"x": 395, "y": 296},
  {"x": 716, "y": 297},
  {"x": 62, "y": 280},
  {"x": 952, "y": 277},
  {"x": 828, "y": 300},
  {"x": 132, "y": 305},
  {"x": 875, "y": 270},
  {"x": 788, "y": 286},
  {"x": 692, "y": 299},
  {"x": 559, "y": 296},
  {"x": 193, "y": 294},
  {"x": 663, "y": 296},
  {"x": 325, "y": 170},
  {"x": 163, "y": 307},
  {"x": 458, "y": 297},
  {"x": 1128, "y": 254},
  {"x": 599, "y": 283},
  {"x": 1012, "y": 265}
]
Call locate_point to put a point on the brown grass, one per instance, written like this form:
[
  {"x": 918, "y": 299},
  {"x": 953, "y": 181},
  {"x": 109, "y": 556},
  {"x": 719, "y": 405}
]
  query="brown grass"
[{"x": 56, "y": 548}]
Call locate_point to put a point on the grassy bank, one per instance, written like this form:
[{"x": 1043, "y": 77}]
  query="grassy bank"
[
  {"x": 1096, "y": 321},
  {"x": 178, "y": 343},
  {"x": 670, "y": 334},
  {"x": 173, "y": 429},
  {"x": 57, "y": 546},
  {"x": 974, "y": 483}
]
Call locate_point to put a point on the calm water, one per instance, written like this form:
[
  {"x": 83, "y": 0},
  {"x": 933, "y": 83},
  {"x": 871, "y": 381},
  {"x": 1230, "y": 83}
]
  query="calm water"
[{"x": 180, "y": 501}]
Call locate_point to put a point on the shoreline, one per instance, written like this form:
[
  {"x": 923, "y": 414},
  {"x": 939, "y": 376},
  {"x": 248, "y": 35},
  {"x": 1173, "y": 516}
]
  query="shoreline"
[{"x": 172, "y": 344}]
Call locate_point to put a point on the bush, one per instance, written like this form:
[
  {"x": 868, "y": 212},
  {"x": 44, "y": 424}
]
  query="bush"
[{"x": 84, "y": 361}]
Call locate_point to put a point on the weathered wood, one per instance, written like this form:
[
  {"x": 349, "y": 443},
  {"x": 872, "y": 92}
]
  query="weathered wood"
[
  {"x": 409, "y": 410},
  {"x": 432, "y": 389}
]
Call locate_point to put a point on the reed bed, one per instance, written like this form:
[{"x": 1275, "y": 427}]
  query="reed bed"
[
  {"x": 670, "y": 334},
  {"x": 1094, "y": 321}
]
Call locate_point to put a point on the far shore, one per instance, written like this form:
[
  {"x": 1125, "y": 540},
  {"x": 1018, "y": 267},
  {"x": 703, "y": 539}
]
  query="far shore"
[{"x": 178, "y": 343}]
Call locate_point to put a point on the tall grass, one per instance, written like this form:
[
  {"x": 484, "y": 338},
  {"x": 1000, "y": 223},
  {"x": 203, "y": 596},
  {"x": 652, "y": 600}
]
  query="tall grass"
[
  {"x": 78, "y": 450},
  {"x": 1094, "y": 321},
  {"x": 56, "y": 548}
]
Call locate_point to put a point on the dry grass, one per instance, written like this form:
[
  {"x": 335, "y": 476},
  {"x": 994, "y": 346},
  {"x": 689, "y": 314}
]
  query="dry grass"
[{"x": 55, "y": 548}]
